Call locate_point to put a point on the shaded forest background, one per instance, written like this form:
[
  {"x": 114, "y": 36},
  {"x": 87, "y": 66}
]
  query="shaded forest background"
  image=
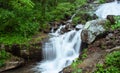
[{"x": 23, "y": 18}]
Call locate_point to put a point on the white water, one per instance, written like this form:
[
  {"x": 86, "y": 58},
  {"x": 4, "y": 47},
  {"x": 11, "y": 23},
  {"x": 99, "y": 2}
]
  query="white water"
[
  {"x": 60, "y": 51},
  {"x": 112, "y": 8}
]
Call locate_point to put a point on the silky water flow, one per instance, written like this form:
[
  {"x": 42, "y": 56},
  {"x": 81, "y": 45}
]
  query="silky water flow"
[
  {"x": 112, "y": 8},
  {"x": 60, "y": 51}
]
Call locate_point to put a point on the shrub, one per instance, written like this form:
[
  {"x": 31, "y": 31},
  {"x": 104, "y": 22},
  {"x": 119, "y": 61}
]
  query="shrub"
[
  {"x": 117, "y": 23},
  {"x": 112, "y": 64},
  {"x": 3, "y": 56},
  {"x": 61, "y": 10}
]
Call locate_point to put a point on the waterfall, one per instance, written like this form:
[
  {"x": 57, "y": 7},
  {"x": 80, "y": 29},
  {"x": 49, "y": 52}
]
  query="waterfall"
[
  {"x": 60, "y": 51},
  {"x": 112, "y": 8}
]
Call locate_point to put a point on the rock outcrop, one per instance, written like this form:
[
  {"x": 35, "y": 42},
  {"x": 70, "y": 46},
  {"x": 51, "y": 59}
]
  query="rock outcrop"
[
  {"x": 11, "y": 63},
  {"x": 92, "y": 29}
]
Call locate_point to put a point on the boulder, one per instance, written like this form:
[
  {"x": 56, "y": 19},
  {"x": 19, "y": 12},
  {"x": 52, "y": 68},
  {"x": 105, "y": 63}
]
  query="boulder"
[{"x": 92, "y": 29}]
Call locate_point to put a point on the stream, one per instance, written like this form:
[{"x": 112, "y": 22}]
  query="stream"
[{"x": 62, "y": 49}]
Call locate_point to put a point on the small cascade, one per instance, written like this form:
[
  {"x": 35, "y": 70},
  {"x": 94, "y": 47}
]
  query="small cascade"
[
  {"x": 112, "y": 8},
  {"x": 60, "y": 50}
]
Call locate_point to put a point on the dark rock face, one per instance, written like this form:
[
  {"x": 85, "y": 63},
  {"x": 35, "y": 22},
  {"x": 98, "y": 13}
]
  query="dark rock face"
[
  {"x": 31, "y": 52},
  {"x": 15, "y": 49},
  {"x": 110, "y": 40}
]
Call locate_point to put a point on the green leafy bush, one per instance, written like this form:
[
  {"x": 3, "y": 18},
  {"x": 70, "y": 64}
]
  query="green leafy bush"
[
  {"x": 13, "y": 39},
  {"x": 18, "y": 17},
  {"x": 117, "y": 23},
  {"x": 102, "y": 1},
  {"x": 61, "y": 10},
  {"x": 112, "y": 64},
  {"x": 74, "y": 66},
  {"x": 113, "y": 59},
  {"x": 6, "y": 19},
  {"x": 26, "y": 17},
  {"x": 79, "y": 3},
  {"x": 3, "y": 56}
]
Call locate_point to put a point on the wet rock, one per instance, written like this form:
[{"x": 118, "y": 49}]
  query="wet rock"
[
  {"x": 92, "y": 29},
  {"x": 32, "y": 52},
  {"x": 46, "y": 30},
  {"x": 79, "y": 26},
  {"x": 116, "y": 31},
  {"x": 63, "y": 22},
  {"x": 110, "y": 35},
  {"x": 12, "y": 62},
  {"x": 15, "y": 49},
  {"x": 67, "y": 28},
  {"x": 110, "y": 0},
  {"x": 25, "y": 53},
  {"x": 54, "y": 25}
]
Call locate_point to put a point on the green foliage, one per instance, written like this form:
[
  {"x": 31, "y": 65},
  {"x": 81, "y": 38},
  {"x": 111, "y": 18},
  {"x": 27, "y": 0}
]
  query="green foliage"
[
  {"x": 61, "y": 10},
  {"x": 79, "y": 3},
  {"x": 117, "y": 23},
  {"x": 102, "y": 1},
  {"x": 10, "y": 39},
  {"x": 112, "y": 64},
  {"x": 6, "y": 19},
  {"x": 84, "y": 54},
  {"x": 18, "y": 17},
  {"x": 21, "y": 4},
  {"x": 113, "y": 59},
  {"x": 77, "y": 62},
  {"x": 74, "y": 66},
  {"x": 77, "y": 71},
  {"x": 3, "y": 56},
  {"x": 76, "y": 19},
  {"x": 27, "y": 28},
  {"x": 26, "y": 17}
]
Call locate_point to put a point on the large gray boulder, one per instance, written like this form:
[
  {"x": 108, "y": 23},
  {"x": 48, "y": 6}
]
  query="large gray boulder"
[{"x": 92, "y": 29}]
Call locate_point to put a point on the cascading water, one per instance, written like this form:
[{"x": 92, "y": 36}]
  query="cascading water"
[
  {"x": 112, "y": 8},
  {"x": 60, "y": 51}
]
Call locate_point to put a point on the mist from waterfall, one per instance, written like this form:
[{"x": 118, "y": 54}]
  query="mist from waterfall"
[{"x": 112, "y": 8}]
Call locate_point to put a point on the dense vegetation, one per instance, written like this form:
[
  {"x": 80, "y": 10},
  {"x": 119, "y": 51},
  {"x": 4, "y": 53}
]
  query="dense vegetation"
[
  {"x": 3, "y": 56},
  {"x": 23, "y": 18},
  {"x": 112, "y": 64}
]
